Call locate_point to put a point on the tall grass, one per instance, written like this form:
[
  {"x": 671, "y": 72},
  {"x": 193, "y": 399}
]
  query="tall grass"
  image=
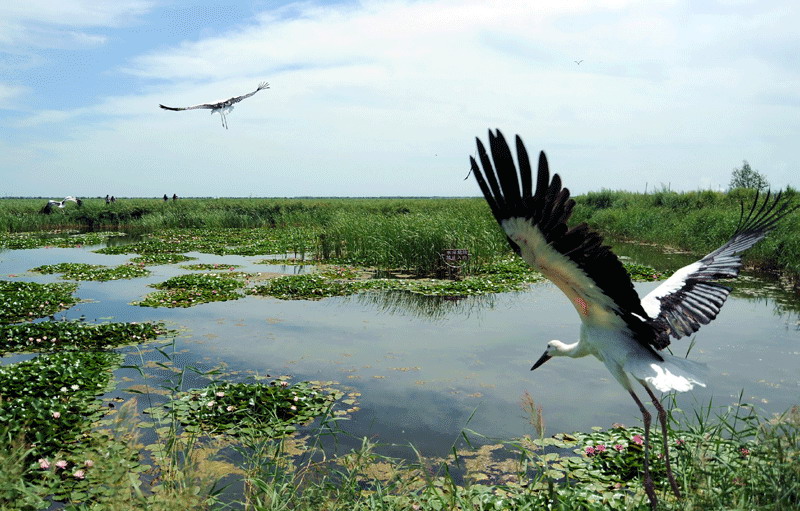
[
  {"x": 413, "y": 240},
  {"x": 409, "y": 234}
]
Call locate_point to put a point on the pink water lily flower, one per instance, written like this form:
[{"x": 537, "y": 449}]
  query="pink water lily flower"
[
  {"x": 43, "y": 463},
  {"x": 56, "y": 415},
  {"x": 79, "y": 474},
  {"x": 61, "y": 464}
]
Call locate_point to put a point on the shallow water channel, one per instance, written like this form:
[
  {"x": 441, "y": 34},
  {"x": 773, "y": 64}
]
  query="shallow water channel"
[{"x": 427, "y": 368}]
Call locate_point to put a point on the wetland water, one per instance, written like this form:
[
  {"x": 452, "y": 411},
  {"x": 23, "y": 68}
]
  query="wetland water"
[{"x": 427, "y": 367}]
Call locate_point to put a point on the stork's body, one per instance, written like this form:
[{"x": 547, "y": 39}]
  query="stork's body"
[
  {"x": 222, "y": 107},
  {"x": 623, "y": 331}
]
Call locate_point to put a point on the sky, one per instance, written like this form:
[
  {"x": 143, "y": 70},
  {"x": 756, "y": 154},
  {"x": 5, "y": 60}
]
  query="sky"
[{"x": 385, "y": 98}]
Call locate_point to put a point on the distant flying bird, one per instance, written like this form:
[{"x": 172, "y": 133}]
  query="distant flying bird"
[
  {"x": 221, "y": 107},
  {"x": 578, "y": 61},
  {"x": 61, "y": 204},
  {"x": 624, "y": 332}
]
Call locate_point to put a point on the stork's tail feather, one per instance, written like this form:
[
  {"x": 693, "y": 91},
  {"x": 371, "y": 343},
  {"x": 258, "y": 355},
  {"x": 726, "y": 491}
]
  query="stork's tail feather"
[{"x": 673, "y": 374}]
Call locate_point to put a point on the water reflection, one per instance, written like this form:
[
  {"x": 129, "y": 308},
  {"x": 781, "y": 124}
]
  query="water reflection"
[{"x": 424, "y": 306}]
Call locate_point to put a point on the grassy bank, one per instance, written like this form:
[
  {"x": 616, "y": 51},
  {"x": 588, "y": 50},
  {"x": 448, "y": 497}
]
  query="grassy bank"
[{"x": 409, "y": 234}]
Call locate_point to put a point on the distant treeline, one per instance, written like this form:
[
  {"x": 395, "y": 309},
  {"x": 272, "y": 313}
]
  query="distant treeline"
[{"x": 404, "y": 228}]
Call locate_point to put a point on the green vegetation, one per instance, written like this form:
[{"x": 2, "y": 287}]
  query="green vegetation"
[
  {"x": 26, "y": 301},
  {"x": 236, "y": 409},
  {"x": 697, "y": 222},
  {"x": 498, "y": 277},
  {"x": 82, "y": 271},
  {"x": 165, "y": 258},
  {"x": 209, "y": 266},
  {"x": 194, "y": 288},
  {"x": 748, "y": 177},
  {"x": 49, "y": 402},
  {"x": 74, "y": 335},
  {"x": 390, "y": 234},
  {"x": 736, "y": 460},
  {"x": 57, "y": 238}
]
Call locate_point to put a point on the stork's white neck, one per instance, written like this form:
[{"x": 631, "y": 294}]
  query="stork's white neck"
[{"x": 561, "y": 349}]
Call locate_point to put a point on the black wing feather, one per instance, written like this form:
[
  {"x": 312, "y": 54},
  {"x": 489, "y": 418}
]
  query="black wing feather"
[
  {"x": 549, "y": 209},
  {"x": 681, "y": 305}
]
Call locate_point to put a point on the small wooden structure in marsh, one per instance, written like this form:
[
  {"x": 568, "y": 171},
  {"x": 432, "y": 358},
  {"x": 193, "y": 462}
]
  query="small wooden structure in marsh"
[{"x": 453, "y": 260}]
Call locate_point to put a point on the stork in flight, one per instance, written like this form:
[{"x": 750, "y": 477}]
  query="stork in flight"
[
  {"x": 48, "y": 208},
  {"x": 221, "y": 107},
  {"x": 627, "y": 334}
]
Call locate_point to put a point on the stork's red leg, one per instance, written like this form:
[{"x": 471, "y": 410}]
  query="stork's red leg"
[
  {"x": 662, "y": 417},
  {"x": 649, "y": 487}
]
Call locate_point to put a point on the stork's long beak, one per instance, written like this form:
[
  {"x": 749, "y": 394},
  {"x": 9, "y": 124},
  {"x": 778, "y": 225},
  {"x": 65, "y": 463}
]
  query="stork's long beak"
[{"x": 542, "y": 360}]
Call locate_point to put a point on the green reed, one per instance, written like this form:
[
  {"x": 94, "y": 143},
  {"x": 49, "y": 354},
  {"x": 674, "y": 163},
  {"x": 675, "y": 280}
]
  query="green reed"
[{"x": 409, "y": 234}]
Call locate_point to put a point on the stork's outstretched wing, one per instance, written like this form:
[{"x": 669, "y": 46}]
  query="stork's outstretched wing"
[
  {"x": 575, "y": 259},
  {"x": 193, "y": 107},
  {"x": 689, "y": 299},
  {"x": 262, "y": 85},
  {"x": 220, "y": 104}
]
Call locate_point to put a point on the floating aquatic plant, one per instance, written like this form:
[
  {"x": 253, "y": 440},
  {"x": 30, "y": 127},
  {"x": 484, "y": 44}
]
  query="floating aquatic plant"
[
  {"x": 75, "y": 335},
  {"x": 193, "y": 289},
  {"x": 210, "y": 266},
  {"x": 83, "y": 271},
  {"x": 644, "y": 273},
  {"x": 50, "y": 400},
  {"x": 271, "y": 410},
  {"x": 166, "y": 258},
  {"x": 26, "y": 301}
]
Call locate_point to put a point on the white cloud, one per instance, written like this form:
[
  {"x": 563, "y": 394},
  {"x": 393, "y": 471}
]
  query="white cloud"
[
  {"x": 75, "y": 13},
  {"x": 63, "y": 24},
  {"x": 9, "y": 93}
]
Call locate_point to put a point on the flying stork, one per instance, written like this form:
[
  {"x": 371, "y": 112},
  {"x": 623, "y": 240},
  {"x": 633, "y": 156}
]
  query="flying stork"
[
  {"x": 627, "y": 334},
  {"x": 221, "y": 107},
  {"x": 48, "y": 208}
]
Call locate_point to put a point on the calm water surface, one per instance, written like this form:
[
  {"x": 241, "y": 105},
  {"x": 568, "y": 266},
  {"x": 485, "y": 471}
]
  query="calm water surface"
[{"x": 427, "y": 368}]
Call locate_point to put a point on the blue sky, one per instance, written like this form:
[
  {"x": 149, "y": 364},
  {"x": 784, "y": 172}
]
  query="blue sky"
[{"x": 385, "y": 98}]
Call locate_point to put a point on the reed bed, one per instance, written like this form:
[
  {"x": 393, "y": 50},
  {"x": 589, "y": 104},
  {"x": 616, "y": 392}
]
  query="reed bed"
[{"x": 409, "y": 234}]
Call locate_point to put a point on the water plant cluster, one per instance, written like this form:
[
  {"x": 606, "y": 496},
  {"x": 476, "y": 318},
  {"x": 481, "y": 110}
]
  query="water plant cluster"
[
  {"x": 99, "y": 272},
  {"x": 50, "y": 401},
  {"x": 47, "y": 336},
  {"x": 26, "y": 301},
  {"x": 210, "y": 266},
  {"x": 315, "y": 286},
  {"x": 499, "y": 276},
  {"x": 194, "y": 288},
  {"x": 161, "y": 258},
  {"x": 269, "y": 410}
]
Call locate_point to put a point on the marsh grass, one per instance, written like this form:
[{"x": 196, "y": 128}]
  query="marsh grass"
[{"x": 397, "y": 234}]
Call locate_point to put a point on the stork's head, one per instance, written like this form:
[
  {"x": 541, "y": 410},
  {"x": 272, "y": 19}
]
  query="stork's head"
[{"x": 555, "y": 348}]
